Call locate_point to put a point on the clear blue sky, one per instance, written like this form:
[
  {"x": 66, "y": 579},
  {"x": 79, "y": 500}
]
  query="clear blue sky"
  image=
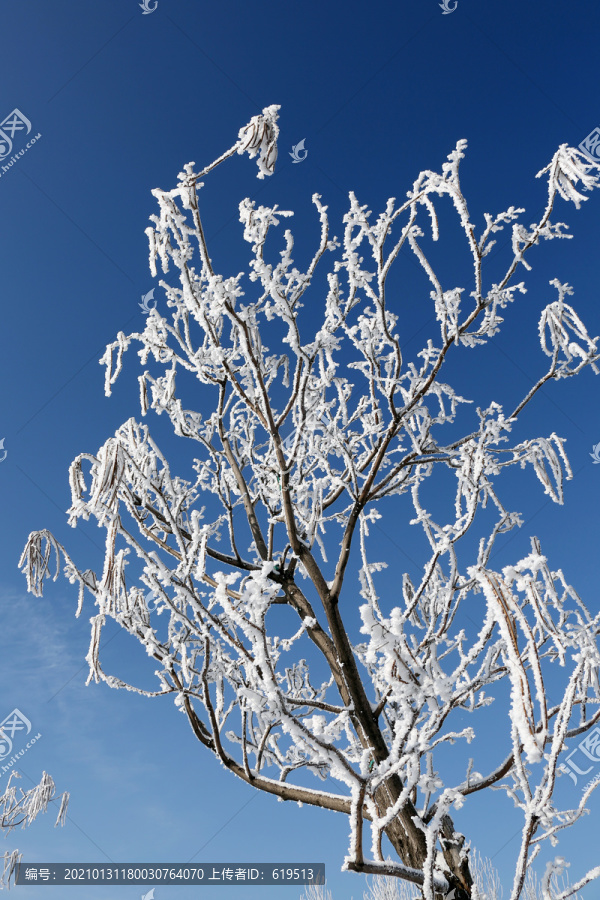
[{"x": 378, "y": 91}]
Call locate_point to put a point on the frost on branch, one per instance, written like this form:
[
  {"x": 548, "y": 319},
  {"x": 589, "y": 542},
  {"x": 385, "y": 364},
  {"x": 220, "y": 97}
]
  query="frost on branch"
[
  {"x": 314, "y": 420},
  {"x": 558, "y": 318},
  {"x": 23, "y": 810},
  {"x": 568, "y": 167},
  {"x": 260, "y": 137}
]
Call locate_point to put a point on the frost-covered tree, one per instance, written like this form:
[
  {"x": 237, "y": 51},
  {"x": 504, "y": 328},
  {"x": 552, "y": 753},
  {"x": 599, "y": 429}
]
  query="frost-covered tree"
[
  {"x": 260, "y": 646},
  {"x": 22, "y": 811}
]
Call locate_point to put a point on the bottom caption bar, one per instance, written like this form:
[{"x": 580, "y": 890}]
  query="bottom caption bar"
[{"x": 170, "y": 873}]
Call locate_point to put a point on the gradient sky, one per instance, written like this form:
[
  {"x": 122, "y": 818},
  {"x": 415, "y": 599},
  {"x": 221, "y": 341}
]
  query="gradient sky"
[{"x": 122, "y": 100}]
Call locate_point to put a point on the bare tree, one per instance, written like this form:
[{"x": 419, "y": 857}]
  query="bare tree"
[
  {"x": 289, "y": 452},
  {"x": 22, "y": 811}
]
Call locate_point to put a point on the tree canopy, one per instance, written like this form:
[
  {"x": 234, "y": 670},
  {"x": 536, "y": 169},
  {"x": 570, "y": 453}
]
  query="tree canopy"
[{"x": 259, "y": 644}]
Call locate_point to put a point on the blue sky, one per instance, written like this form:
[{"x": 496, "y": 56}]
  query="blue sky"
[{"x": 122, "y": 101}]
